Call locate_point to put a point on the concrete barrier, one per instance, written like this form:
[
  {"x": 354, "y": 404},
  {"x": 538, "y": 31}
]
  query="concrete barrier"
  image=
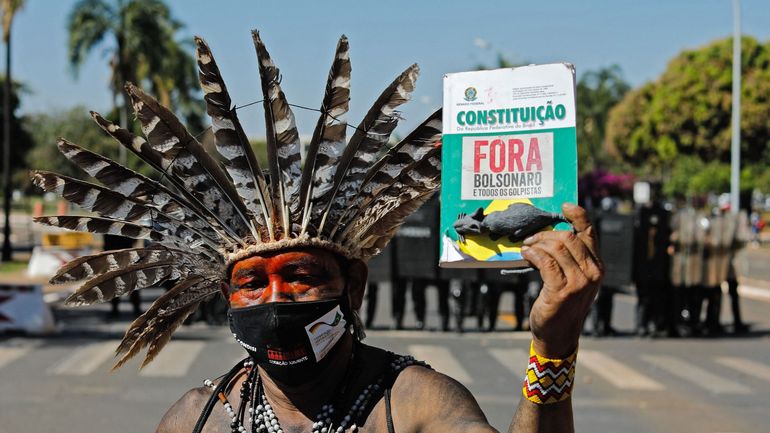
[
  {"x": 46, "y": 261},
  {"x": 22, "y": 309}
]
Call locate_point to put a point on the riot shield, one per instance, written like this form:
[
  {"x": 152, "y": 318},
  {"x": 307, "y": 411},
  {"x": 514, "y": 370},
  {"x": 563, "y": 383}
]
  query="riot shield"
[
  {"x": 616, "y": 244},
  {"x": 416, "y": 244}
]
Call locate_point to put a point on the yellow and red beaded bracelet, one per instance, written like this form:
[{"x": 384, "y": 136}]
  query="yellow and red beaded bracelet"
[{"x": 548, "y": 380}]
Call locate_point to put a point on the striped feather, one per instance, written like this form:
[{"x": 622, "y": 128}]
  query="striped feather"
[
  {"x": 97, "y": 225},
  {"x": 136, "y": 144},
  {"x": 401, "y": 157},
  {"x": 365, "y": 145},
  {"x": 142, "y": 149},
  {"x": 425, "y": 176},
  {"x": 84, "y": 267},
  {"x": 181, "y": 236},
  {"x": 377, "y": 237},
  {"x": 107, "y": 226},
  {"x": 136, "y": 186},
  {"x": 190, "y": 163},
  {"x": 283, "y": 147},
  {"x": 149, "y": 317},
  {"x": 231, "y": 141},
  {"x": 165, "y": 329},
  {"x": 149, "y": 326},
  {"x": 193, "y": 295},
  {"x": 155, "y": 336},
  {"x": 328, "y": 140},
  {"x": 112, "y": 205},
  {"x": 120, "y": 179},
  {"x": 115, "y": 283},
  {"x": 91, "y": 197}
]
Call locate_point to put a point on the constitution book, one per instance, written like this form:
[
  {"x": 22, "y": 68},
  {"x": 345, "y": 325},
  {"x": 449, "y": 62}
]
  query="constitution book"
[{"x": 509, "y": 161}]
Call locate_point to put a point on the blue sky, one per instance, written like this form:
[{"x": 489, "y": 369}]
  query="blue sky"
[{"x": 386, "y": 37}]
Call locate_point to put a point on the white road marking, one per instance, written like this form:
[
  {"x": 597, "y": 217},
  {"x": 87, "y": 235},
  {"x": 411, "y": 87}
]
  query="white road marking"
[
  {"x": 746, "y": 366},
  {"x": 514, "y": 360},
  {"x": 756, "y": 293},
  {"x": 174, "y": 360},
  {"x": 10, "y": 354},
  {"x": 704, "y": 379},
  {"x": 615, "y": 372},
  {"x": 237, "y": 359},
  {"x": 442, "y": 360},
  {"x": 85, "y": 360},
  {"x": 433, "y": 336}
]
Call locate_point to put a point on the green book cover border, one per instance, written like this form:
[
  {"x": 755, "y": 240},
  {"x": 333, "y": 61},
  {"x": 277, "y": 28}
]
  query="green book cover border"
[{"x": 565, "y": 182}]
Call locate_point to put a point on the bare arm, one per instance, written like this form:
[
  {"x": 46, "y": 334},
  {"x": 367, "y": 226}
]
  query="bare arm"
[
  {"x": 431, "y": 402},
  {"x": 571, "y": 269},
  {"x": 183, "y": 415},
  {"x": 531, "y": 417},
  {"x": 439, "y": 404}
]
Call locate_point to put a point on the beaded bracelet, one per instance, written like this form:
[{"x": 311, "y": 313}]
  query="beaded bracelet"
[{"x": 548, "y": 380}]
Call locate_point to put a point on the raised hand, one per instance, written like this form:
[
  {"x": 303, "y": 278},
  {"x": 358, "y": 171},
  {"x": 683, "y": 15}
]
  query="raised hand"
[{"x": 572, "y": 270}]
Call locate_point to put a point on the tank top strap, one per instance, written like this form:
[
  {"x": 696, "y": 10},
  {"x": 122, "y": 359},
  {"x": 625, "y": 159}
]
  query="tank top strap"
[{"x": 397, "y": 365}]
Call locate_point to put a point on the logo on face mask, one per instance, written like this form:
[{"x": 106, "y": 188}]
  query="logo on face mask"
[
  {"x": 292, "y": 341},
  {"x": 319, "y": 325},
  {"x": 325, "y": 331},
  {"x": 280, "y": 356}
]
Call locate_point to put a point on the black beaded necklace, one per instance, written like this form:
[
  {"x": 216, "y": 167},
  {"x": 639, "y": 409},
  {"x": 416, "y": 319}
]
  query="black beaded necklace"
[{"x": 254, "y": 409}]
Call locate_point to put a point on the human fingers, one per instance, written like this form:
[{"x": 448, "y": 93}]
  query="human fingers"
[
  {"x": 554, "y": 247},
  {"x": 549, "y": 268},
  {"x": 578, "y": 217},
  {"x": 588, "y": 264}
]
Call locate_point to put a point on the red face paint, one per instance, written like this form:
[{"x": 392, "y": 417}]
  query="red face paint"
[{"x": 293, "y": 276}]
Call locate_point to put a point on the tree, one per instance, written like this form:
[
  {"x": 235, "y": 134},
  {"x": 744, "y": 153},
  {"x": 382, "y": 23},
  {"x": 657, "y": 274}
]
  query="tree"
[
  {"x": 76, "y": 126},
  {"x": 597, "y": 92},
  {"x": 139, "y": 36},
  {"x": 21, "y": 139},
  {"x": 678, "y": 127},
  {"x": 9, "y": 9}
]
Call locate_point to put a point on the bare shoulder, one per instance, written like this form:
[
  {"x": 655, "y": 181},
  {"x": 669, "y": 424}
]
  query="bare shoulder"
[
  {"x": 183, "y": 415},
  {"x": 418, "y": 382},
  {"x": 432, "y": 401}
]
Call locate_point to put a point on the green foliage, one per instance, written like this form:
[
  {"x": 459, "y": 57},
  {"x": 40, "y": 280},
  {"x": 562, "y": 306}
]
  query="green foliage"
[
  {"x": 691, "y": 176},
  {"x": 756, "y": 176},
  {"x": 139, "y": 37},
  {"x": 13, "y": 267},
  {"x": 597, "y": 92},
  {"x": 21, "y": 141},
  {"x": 76, "y": 126},
  {"x": 501, "y": 62},
  {"x": 260, "y": 151},
  {"x": 686, "y": 112}
]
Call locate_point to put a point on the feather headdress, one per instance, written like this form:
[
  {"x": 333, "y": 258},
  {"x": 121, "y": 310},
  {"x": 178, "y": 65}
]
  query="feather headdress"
[{"x": 218, "y": 209}]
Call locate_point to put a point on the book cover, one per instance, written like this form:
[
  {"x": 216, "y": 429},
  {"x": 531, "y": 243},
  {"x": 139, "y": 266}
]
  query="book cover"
[{"x": 509, "y": 161}]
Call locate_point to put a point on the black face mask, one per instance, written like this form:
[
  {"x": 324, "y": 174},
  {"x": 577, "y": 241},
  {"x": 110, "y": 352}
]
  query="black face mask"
[{"x": 292, "y": 341}]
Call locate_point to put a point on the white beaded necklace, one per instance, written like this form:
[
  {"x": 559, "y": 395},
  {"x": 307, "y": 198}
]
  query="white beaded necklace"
[{"x": 262, "y": 418}]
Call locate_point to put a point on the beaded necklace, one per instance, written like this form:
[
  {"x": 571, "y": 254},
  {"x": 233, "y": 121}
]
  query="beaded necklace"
[{"x": 256, "y": 411}]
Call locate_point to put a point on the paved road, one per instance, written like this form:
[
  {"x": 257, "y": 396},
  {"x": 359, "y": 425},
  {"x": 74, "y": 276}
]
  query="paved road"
[{"x": 625, "y": 384}]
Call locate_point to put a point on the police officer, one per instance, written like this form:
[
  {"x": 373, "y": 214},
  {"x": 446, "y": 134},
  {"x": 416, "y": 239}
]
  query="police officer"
[{"x": 651, "y": 265}]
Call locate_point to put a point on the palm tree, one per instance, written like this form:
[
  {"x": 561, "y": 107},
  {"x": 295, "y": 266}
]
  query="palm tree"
[
  {"x": 139, "y": 38},
  {"x": 9, "y": 9},
  {"x": 597, "y": 92}
]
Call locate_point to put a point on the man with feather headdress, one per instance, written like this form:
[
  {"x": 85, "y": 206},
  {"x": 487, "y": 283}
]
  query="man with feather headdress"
[{"x": 288, "y": 249}]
